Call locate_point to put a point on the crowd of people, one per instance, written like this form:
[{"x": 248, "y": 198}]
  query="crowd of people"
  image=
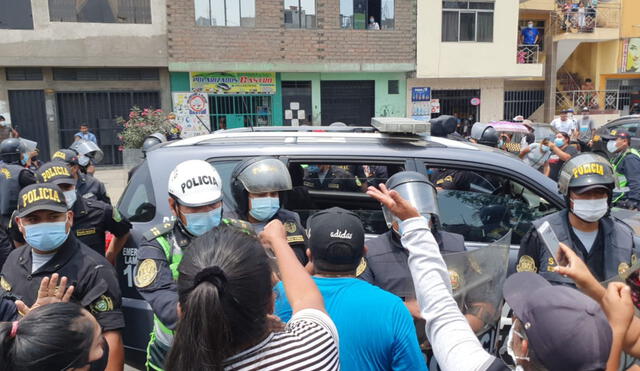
[{"x": 249, "y": 286}]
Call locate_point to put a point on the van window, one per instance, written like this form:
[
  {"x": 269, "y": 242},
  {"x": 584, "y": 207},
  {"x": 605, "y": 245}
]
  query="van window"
[{"x": 138, "y": 202}]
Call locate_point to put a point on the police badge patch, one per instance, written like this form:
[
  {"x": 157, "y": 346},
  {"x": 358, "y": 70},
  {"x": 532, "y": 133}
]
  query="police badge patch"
[
  {"x": 526, "y": 264},
  {"x": 455, "y": 279},
  {"x": 147, "y": 272},
  {"x": 623, "y": 267},
  {"x": 5, "y": 284},
  {"x": 290, "y": 227},
  {"x": 103, "y": 304},
  {"x": 361, "y": 267}
]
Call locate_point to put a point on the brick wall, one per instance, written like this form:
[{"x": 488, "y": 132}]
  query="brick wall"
[{"x": 270, "y": 41}]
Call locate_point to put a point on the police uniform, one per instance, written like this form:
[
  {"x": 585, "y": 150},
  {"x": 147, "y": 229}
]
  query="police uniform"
[
  {"x": 156, "y": 273},
  {"x": 296, "y": 236},
  {"x": 94, "y": 279},
  {"x": 452, "y": 179},
  {"x": 614, "y": 249},
  {"x": 336, "y": 179},
  {"x": 91, "y": 188},
  {"x": 8, "y": 310},
  {"x": 92, "y": 218},
  {"x": 627, "y": 169},
  {"x": 13, "y": 178}
]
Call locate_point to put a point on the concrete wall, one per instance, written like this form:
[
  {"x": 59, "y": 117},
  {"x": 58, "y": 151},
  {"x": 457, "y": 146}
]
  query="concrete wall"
[
  {"x": 86, "y": 44},
  {"x": 590, "y": 60},
  {"x": 269, "y": 46},
  {"x": 491, "y": 93},
  {"x": 470, "y": 59},
  {"x": 630, "y": 24}
]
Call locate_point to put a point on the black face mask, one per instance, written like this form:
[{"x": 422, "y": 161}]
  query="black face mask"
[{"x": 101, "y": 364}]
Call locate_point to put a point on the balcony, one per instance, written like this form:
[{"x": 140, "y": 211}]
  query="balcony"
[
  {"x": 589, "y": 24},
  {"x": 528, "y": 54},
  {"x": 598, "y": 101}
]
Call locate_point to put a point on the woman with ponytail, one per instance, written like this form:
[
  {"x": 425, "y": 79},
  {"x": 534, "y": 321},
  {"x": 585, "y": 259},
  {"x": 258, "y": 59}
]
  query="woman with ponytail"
[{"x": 226, "y": 299}]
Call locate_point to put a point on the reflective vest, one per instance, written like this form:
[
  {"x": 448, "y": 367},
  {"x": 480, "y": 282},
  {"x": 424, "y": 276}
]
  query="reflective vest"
[{"x": 622, "y": 179}]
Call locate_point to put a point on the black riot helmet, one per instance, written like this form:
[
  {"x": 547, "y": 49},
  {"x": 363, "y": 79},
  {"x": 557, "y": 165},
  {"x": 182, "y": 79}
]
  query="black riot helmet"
[
  {"x": 152, "y": 140},
  {"x": 257, "y": 175},
  {"x": 443, "y": 125},
  {"x": 485, "y": 134},
  {"x": 418, "y": 190},
  {"x": 586, "y": 171},
  {"x": 12, "y": 150}
]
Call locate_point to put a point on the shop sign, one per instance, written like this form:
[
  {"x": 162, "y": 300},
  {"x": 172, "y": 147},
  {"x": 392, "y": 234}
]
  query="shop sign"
[
  {"x": 421, "y": 103},
  {"x": 233, "y": 82},
  {"x": 475, "y": 101},
  {"x": 435, "y": 106},
  {"x": 631, "y": 55},
  {"x": 420, "y": 94},
  {"x": 192, "y": 113}
]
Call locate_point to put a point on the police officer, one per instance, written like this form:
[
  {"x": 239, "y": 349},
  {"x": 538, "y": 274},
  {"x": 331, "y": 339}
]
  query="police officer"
[
  {"x": 607, "y": 245},
  {"x": 256, "y": 186},
  {"x": 626, "y": 165},
  {"x": 195, "y": 200},
  {"x": 87, "y": 186},
  {"x": 91, "y": 218},
  {"x": 386, "y": 263},
  {"x": 13, "y": 175},
  {"x": 88, "y": 154},
  {"x": 330, "y": 177},
  {"x": 45, "y": 222}
]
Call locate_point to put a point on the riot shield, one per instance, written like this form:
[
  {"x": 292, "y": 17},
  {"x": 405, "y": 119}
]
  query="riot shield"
[{"x": 477, "y": 277}]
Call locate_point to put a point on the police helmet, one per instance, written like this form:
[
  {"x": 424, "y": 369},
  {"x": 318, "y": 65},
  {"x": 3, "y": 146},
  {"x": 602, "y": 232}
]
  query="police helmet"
[
  {"x": 195, "y": 183},
  {"x": 87, "y": 151},
  {"x": 66, "y": 155},
  {"x": 443, "y": 125},
  {"x": 258, "y": 175},
  {"x": 415, "y": 188},
  {"x": 152, "y": 140},
  {"x": 11, "y": 150},
  {"x": 586, "y": 170},
  {"x": 485, "y": 134}
]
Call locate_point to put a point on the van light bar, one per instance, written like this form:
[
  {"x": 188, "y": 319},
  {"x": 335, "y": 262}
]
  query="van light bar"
[{"x": 402, "y": 125}]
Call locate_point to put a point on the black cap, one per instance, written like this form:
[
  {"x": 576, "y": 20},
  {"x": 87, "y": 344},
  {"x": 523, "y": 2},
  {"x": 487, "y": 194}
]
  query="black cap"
[
  {"x": 37, "y": 197},
  {"x": 66, "y": 155},
  {"x": 56, "y": 172},
  {"x": 619, "y": 133},
  {"x": 336, "y": 240},
  {"x": 566, "y": 329}
]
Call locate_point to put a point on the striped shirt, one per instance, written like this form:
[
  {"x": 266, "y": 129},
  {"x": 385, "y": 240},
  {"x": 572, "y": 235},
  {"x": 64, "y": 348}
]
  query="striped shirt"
[{"x": 309, "y": 342}]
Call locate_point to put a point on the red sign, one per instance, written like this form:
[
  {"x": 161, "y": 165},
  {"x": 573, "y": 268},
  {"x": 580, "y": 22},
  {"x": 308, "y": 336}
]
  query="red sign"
[{"x": 475, "y": 101}]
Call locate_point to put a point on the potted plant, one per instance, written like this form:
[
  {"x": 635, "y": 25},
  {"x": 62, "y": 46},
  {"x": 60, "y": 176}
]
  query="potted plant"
[{"x": 139, "y": 125}]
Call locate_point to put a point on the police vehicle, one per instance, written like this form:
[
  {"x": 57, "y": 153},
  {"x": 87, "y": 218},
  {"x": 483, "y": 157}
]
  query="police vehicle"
[{"x": 501, "y": 193}]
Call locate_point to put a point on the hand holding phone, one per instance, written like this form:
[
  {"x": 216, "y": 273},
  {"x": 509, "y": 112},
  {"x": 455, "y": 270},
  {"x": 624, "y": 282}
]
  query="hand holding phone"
[{"x": 550, "y": 239}]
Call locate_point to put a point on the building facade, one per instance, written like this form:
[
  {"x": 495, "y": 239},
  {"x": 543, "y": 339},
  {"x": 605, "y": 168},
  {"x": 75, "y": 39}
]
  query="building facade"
[
  {"x": 69, "y": 62},
  {"x": 292, "y": 62}
]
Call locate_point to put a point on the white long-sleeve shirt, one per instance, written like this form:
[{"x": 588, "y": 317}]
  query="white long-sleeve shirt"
[{"x": 454, "y": 344}]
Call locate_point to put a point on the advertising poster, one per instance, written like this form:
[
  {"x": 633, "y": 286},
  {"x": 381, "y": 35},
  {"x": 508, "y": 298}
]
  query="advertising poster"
[
  {"x": 421, "y": 103},
  {"x": 192, "y": 113},
  {"x": 233, "y": 83},
  {"x": 632, "y": 60}
]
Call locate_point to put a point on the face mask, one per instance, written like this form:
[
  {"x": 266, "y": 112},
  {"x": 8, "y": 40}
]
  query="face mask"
[
  {"x": 530, "y": 25},
  {"x": 264, "y": 208},
  {"x": 591, "y": 210},
  {"x": 559, "y": 142},
  {"x": 500, "y": 143},
  {"x": 24, "y": 159},
  {"x": 545, "y": 148},
  {"x": 511, "y": 352},
  {"x": 612, "y": 146},
  {"x": 46, "y": 236},
  {"x": 70, "y": 197},
  {"x": 313, "y": 168},
  {"x": 201, "y": 223},
  {"x": 371, "y": 20}
]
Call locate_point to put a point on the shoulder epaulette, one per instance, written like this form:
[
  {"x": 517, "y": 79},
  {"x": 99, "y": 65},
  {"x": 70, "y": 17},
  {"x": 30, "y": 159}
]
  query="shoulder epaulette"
[
  {"x": 240, "y": 224},
  {"x": 159, "y": 230}
]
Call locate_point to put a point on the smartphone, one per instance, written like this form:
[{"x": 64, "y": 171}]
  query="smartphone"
[{"x": 549, "y": 238}]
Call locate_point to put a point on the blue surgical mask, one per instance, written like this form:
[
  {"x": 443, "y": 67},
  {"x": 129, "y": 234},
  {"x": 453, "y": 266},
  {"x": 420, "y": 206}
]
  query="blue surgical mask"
[
  {"x": 264, "y": 208},
  {"x": 70, "y": 197},
  {"x": 559, "y": 142},
  {"x": 46, "y": 236},
  {"x": 201, "y": 223},
  {"x": 313, "y": 168},
  {"x": 24, "y": 159},
  {"x": 545, "y": 148}
]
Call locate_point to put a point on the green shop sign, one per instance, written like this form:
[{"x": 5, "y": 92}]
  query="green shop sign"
[{"x": 233, "y": 82}]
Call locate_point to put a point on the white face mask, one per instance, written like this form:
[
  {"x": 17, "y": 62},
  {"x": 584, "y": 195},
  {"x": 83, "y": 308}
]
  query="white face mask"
[
  {"x": 612, "y": 146},
  {"x": 512, "y": 352},
  {"x": 591, "y": 210}
]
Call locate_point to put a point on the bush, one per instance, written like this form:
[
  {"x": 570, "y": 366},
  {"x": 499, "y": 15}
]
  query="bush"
[{"x": 144, "y": 122}]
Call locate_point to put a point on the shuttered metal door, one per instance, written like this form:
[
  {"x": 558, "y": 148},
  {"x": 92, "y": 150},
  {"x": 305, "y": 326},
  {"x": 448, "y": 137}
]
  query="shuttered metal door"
[
  {"x": 351, "y": 102},
  {"x": 29, "y": 117}
]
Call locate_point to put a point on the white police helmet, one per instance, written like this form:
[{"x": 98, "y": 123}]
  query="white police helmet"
[{"x": 195, "y": 183}]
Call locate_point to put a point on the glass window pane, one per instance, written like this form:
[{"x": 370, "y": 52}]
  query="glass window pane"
[
  {"x": 346, "y": 13},
  {"x": 467, "y": 26},
  {"x": 291, "y": 14},
  {"x": 485, "y": 27},
  {"x": 450, "y": 26},
  {"x": 247, "y": 13},
  {"x": 308, "y": 14},
  {"x": 203, "y": 13},
  {"x": 100, "y": 11},
  {"x": 481, "y": 4},
  {"x": 16, "y": 15},
  {"x": 233, "y": 13},
  {"x": 455, "y": 4},
  {"x": 387, "y": 14},
  {"x": 217, "y": 13},
  {"x": 360, "y": 14}
]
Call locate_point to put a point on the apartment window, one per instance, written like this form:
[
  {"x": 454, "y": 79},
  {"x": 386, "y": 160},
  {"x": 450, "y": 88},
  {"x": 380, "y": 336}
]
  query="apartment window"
[
  {"x": 106, "y": 74},
  {"x": 100, "y": 11},
  {"x": 226, "y": 13},
  {"x": 300, "y": 13},
  {"x": 355, "y": 14},
  {"x": 469, "y": 20},
  {"x": 23, "y": 73},
  {"x": 16, "y": 15}
]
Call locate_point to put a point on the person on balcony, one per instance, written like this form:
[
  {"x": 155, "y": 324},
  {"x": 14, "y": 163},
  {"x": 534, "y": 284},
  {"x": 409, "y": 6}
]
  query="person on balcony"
[{"x": 529, "y": 35}]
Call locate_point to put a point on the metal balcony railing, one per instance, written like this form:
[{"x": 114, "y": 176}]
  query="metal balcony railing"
[
  {"x": 586, "y": 20},
  {"x": 528, "y": 54},
  {"x": 596, "y": 100}
]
